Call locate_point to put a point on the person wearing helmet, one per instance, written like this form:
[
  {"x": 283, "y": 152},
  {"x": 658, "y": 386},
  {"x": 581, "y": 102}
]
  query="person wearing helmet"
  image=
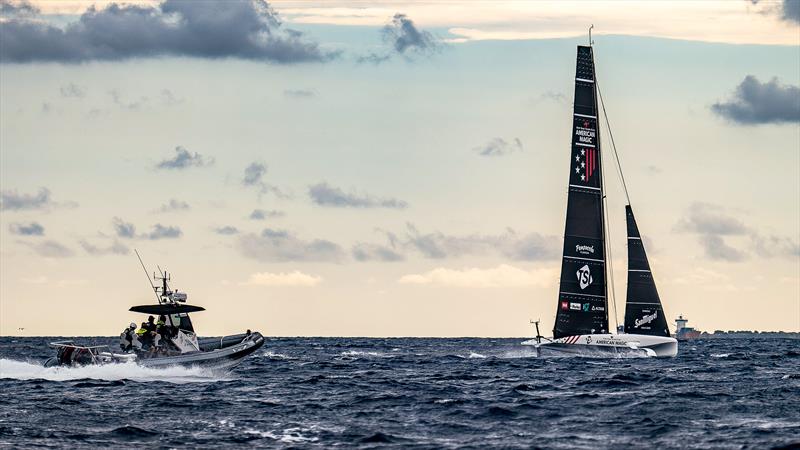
[{"x": 128, "y": 339}]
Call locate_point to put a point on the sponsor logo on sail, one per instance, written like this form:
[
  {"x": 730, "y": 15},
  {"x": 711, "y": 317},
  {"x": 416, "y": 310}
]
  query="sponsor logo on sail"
[
  {"x": 575, "y": 306},
  {"x": 586, "y": 163},
  {"x": 584, "y": 276},
  {"x": 585, "y": 133},
  {"x": 646, "y": 319},
  {"x": 564, "y": 306},
  {"x": 586, "y": 307},
  {"x": 585, "y": 249},
  {"x": 598, "y": 308}
]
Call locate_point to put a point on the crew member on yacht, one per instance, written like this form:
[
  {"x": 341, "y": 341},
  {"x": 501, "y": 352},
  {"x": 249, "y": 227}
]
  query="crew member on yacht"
[{"x": 129, "y": 339}]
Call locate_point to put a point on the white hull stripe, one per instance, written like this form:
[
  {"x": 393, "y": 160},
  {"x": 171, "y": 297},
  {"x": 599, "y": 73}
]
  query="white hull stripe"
[
  {"x": 584, "y": 115},
  {"x": 582, "y": 295},
  {"x": 584, "y": 80},
  {"x": 584, "y": 187},
  {"x": 584, "y": 259}
]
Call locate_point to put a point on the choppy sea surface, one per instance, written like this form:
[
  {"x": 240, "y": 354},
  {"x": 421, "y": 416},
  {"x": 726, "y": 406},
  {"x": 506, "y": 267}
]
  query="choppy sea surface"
[{"x": 410, "y": 393}]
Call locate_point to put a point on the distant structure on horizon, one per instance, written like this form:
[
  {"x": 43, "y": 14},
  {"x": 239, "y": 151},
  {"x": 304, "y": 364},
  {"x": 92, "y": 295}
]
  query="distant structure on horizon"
[{"x": 684, "y": 333}]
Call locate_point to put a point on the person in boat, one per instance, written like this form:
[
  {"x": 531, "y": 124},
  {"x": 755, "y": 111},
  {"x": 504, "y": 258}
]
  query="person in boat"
[
  {"x": 164, "y": 332},
  {"x": 129, "y": 338}
]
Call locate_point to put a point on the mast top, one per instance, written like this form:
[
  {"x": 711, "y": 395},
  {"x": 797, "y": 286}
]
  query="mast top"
[{"x": 591, "y": 42}]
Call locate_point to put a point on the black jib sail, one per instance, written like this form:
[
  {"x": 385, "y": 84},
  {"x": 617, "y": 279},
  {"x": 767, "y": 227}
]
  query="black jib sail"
[
  {"x": 643, "y": 311},
  {"x": 582, "y": 305}
]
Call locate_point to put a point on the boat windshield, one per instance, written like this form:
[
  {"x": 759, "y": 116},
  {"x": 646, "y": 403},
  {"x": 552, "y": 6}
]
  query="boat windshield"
[{"x": 181, "y": 321}]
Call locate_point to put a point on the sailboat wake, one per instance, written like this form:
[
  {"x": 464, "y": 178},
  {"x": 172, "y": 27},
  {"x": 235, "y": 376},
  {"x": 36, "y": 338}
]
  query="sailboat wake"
[{"x": 21, "y": 370}]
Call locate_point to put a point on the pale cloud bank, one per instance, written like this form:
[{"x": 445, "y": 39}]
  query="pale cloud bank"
[
  {"x": 283, "y": 246},
  {"x": 282, "y": 279},
  {"x": 184, "y": 159},
  {"x": 502, "y": 276},
  {"x": 324, "y": 194},
  {"x": 756, "y": 103},
  {"x": 13, "y": 200}
]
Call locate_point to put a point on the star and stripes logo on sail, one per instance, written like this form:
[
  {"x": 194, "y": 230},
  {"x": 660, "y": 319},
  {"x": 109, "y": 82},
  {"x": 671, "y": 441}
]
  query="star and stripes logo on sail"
[{"x": 586, "y": 163}]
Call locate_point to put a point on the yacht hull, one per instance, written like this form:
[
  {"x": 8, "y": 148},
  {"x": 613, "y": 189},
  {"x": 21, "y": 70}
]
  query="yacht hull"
[{"x": 607, "y": 345}]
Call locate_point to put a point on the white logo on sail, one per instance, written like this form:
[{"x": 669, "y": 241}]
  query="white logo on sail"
[
  {"x": 584, "y": 277},
  {"x": 645, "y": 319}
]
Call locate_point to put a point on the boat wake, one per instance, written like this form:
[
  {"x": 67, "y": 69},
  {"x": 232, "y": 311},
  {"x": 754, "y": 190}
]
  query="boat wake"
[{"x": 22, "y": 370}]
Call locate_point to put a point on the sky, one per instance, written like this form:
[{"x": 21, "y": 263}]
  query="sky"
[{"x": 386, "y": 168}]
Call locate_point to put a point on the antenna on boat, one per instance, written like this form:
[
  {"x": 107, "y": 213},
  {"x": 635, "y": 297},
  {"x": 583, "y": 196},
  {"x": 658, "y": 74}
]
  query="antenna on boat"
[
  {"x": 591, "y": 42},
  {"x": 155, "y": 289}
]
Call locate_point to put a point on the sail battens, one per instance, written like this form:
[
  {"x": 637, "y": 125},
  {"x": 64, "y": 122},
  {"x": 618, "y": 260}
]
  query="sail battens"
[
  {"x": 638, "y": 270},
  {"x": 634, "y": 238},
  {"x": 584, "y": 187},
  {"x": 585, "y": 259},
  {"x": 582, "y": 304},
  {"x": 642, "y": 303}
]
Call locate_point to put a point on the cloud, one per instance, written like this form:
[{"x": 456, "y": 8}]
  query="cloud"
[
  {"x": 405, "y": 39},
  {"x": 282, "y": 279},
  {"x": 712, "y": 225},
  {"x": 499, "y": 147},
  {"x": 226, "y": 230},
  {"x": 372, "y": 252},
  {"x": 557, "y": 97},
  {"x": 716, "y": 248},
  {"x": 299, "y": 93},
  {"x": 324, "y": 194},
  {"x": 212, "y": 29},
  {"x": 116, "y": 248},
  {"x": 755, "y": 103},
  {"x": 30, "y": 229},
  {"x": 254, "y": 177},
  {"x": 127, "y": 230},
  {"x": 50, "y": 249},
  {"x": 163, "y": 232},
  {"x": 123, "y": 229},
  {"x": 791, "y": 11},
  {"x": 17, "y": 10},
  {"x": 13, "y": 201},
  {"x": 529, "y": 247},
  {"x": 260, "y": 214},
  {"x": 283, "y": 246},
  {"x": 705, "y": 218},
  {"x": 502, "y": 276},
  {"x": 173, "y": 205},
  {"x": 72, "y": 90},
  {"x": 184, "y": 159}
]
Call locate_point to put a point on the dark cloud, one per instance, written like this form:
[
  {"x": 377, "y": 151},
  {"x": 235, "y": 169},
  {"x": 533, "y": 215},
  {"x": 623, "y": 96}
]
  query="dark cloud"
[
  {"x": 528, "y": 247},
  {"x": 203, "y": 29},
  {"x": 283, "y": 246},
  {"x": 29, "y": 229},
  {"x": 552, "y": 96},
  {"x": 299, "y": 93},
  {"x": 72, "y": 90},
  {"x": 123, "y": 229},
  {"x": 163, "y": 232},
  {"x": 499, "y": 147},
  {"x": 184, "y": 159},
  {"x": 12, "y": 200},
  {"x": 716, "y": 248},
  {"x": 21, "y": 9},
  {"x": 755, "y": 103},
  {"x": 226, "y": 230},
  {"x": 50, "y": 249},
  {"x": 116, "y": 248},
  {"x": 260, "y": 214},
  {"x": 791, "y": 11},
  {"x": 405, "y": 39},
  {"x": 325, "y": 195},
  {"x": 771, "y": 246},
  {"x": 373, "y": 252},
  {"x": 174, "y": 205},
  {"x": 254, "y": 177}
]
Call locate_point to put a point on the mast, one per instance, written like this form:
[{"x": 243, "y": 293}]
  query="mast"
[
  {"x": 643, "y": 311},
  {"x": 582, "y": 306}
]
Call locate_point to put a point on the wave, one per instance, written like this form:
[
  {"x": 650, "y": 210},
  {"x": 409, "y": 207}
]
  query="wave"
[{"x": 21, "y": 370}]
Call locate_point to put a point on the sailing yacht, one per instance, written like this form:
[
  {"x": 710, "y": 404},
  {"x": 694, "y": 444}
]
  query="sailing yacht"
[{"x": 582, "y": 326}]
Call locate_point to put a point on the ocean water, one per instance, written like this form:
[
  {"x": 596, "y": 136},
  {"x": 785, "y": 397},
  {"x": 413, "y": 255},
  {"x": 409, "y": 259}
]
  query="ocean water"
[{"x": 410, "y": 393}]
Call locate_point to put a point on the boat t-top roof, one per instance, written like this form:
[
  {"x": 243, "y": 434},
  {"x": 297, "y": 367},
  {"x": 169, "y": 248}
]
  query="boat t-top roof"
[{"x": 166, "y": 308}]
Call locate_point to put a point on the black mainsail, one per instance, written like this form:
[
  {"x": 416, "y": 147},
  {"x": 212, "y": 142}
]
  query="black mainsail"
[
  {"x": 643, "y": 311},
  {"x": 582, "y": 296}
]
